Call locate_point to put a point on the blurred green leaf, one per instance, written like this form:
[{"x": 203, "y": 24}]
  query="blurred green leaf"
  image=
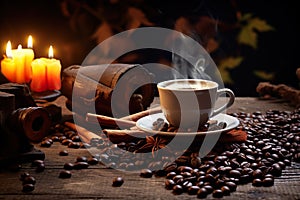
[
  {"x": 248, "y": 37},
  {"x": 245, "y": 16},
  {"x": 264, "y": 75},
  {"x": 230, "y": 62},
  {"x": 226, "y": 64},
  {"x": 260, "y": 25},
  {"x": 248, "y": 32}
]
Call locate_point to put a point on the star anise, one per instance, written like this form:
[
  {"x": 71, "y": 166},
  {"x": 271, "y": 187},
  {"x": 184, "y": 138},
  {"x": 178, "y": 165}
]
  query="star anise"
[{"x": 153, "y": 144}]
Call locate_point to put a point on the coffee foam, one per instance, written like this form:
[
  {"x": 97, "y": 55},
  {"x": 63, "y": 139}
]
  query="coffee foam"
[{"x": 188, "y": 85}]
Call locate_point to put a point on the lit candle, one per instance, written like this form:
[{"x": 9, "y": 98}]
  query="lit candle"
[
  {"x": 38, "y": 82},
  {"x": 29, "y": 56},
  {"x": 8, "y": 68},
  {"x": 46, "y": 73},
  {"x": 19, "y": 63},
  {"x": 53, "y": 71},
  {"x": 19, "y": 59}
]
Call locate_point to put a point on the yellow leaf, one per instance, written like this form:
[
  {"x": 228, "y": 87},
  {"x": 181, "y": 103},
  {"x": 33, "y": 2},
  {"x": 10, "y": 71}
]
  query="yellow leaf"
[
  {"x": 245, "y": 16},
  {"x": 264, "y": 75},
  {"x": 226, "y": 76},
  {"x": 225, "y": 65},
  {"x": 247, "y": 36},
  {"x": 260, "y": 25},
  {"x": 230, "y": 62}
]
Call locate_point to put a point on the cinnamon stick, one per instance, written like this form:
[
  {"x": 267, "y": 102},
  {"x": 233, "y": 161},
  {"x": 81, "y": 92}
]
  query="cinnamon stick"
[
  {"x": 137, "y": 116},
  {"x": 117, "y": 136},
  {"x": 84, "y": 134},
  {"x": 109, "y": 121}
]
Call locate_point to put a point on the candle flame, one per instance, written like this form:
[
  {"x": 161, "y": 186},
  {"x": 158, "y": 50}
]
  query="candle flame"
[
  {"x": 8, "y": 50},
  {"x": 29, "y": 43},
  {"x": 19, "y": 47},
  {"x": 50, "y": 54}
]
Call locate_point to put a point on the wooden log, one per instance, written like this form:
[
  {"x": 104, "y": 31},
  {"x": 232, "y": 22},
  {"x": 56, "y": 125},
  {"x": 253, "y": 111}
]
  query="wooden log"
[{"x": 94, "y": 86}]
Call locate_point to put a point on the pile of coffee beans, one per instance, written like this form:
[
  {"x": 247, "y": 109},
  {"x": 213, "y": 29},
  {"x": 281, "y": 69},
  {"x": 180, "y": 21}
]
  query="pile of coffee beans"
[
  {"x": 28, "y": 182},
  {"x": 273, "y": 142},
  {"x": 65, "y": 136}
]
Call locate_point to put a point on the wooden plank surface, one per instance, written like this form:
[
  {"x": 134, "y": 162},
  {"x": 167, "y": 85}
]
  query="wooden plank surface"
[{"x": 95, "y": 182}]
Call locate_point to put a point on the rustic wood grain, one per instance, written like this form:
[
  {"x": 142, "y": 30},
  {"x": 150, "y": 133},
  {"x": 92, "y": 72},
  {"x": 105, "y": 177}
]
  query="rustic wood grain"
[{"x": 95, "y": 182}]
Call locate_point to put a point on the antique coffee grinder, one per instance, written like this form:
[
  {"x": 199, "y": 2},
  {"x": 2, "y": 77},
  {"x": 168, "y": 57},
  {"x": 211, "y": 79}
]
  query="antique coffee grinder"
[{"x": 22, "y": 123}]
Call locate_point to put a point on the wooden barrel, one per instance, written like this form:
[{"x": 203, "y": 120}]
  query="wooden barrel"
[{"x": 115, "y": 90}]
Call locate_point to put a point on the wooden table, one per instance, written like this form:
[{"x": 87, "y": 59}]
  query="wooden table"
[{"x": 96, "y": 181}]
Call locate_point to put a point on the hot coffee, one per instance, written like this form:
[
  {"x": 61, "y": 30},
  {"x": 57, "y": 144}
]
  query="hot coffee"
[{"x": 189, "y": 103}]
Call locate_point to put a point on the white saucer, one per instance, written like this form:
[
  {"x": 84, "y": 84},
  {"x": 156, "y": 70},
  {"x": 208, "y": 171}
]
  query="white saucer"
[{"x": 145, "y": 124}]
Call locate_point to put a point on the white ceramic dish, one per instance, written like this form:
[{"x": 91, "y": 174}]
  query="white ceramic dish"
[{"x": 145, "y": 124}]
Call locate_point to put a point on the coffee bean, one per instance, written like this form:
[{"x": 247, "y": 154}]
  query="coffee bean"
[
  {"x": 169, "y": 184},
  {"x": 217, "y": 193},
  {"x": 63, "y": 153},
  {"x": 65, "y": 174},
  {"x": 146, "y": 173},
  {"x": 45, "y": 143},
  {"x": 186, "y": 185},
  {"x": 170, "y": 175},
  {"x": 29, "y": 180},
  {"x": 212, "y": 170},
  {"x": 268, "y": 182},
  {"x": 28, "y": 187},
  {"x": 257, "y": 182},
  {"x": 66, "y": 142},
  {"x": 35, "y": 163},
  {"x": 276, "y": 170},
  {"x": 184, "y": 169},
  {"x": 40, "y": 167},
  {"x": 81, "y": 159},
  {"x": 80, "y": 165},
  {"x": 24, "y": 175},
  {"x": 209, "y": 189},
  {"x": 93, "y": 161},
  {"x": 226, "y": 190},
  {"x": 74, "y": 145},
  {"x": 76, "y": 138},
  {"x": 177, "y": 189},
  {"x": 234, "y": 173},
  {"x": 202, "y": 193},
  {"x": 257, "y": 173},
  {"x": 232, "y": 186},
  {"x": 117, "y": 182},
  {"x": 68, "y": 166},
  {"x": 193, "y": 190}
]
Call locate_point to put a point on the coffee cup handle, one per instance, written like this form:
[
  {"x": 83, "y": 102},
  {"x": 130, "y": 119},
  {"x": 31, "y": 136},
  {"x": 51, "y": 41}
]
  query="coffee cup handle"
[{"x": 228, "y": 104}]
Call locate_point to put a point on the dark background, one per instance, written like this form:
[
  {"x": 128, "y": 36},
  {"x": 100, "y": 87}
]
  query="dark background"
[{"x": 277, "y": 52}]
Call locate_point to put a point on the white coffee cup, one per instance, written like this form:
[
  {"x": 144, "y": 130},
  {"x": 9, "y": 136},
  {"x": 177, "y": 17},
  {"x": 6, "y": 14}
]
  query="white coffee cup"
[{"x": 189, "y": 103}]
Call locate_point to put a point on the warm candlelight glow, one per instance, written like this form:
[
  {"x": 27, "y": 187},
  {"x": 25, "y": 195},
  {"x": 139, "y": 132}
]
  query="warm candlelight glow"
[
  {"x": 50, "y": 54},
  {"x": 46, "y": 73},
  {"x": 19, "y": 47},
  {"x": 8, "y": 50},
  {"x": 29, "y": 43}
]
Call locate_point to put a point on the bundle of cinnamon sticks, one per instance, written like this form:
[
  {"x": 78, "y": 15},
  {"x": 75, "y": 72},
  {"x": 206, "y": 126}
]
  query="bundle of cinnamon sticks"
[{"x": 129, "y": 132}]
